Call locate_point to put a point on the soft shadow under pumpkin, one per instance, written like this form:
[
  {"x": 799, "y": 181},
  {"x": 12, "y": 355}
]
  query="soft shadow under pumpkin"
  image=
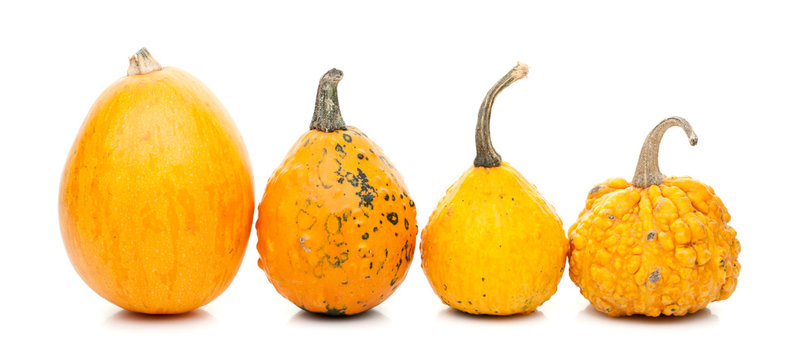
[
  {"x": 451, "y": 314},
  {"x": 701, "y": 317},
  {"x": 371, "y": 316},
  {"x": 126, "y": 317}
]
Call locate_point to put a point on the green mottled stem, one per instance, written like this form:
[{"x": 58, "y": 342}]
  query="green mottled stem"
[
  {"x": 327, "y": 115},
  {"x": 486, "y": 155},
  {"x": 647, "y": 168},
  {"x": 143, "y": 63}
]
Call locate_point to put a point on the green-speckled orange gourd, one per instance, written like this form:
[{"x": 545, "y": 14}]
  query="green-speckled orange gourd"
[{"x": 336, "y": 226}]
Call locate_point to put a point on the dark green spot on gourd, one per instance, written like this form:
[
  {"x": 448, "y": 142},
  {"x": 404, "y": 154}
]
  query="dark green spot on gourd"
[
  {"x": 392, "y": 218},
  {"x": 334, "y": 311}
]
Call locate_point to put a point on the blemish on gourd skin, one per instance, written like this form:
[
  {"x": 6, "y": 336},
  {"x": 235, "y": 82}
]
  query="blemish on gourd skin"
[
  {"x": 333, "y": 224},
  {"x": 335, "y": 311},
  {"x": 366, "y": 192},
  {"x": 337, "y": 261},
  {"x": 347, "y": 138},
  {"x": 392, "y": 218},
  {"x": 302, "y": 240},
  {"x": 304, "y": 221},
  {"x": 318, "y": 170},
  {"x": 340, "y": 150},
  {"x": 654, "y": 277}
]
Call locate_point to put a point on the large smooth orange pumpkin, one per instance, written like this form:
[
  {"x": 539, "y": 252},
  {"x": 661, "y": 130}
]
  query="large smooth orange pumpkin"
[{"x": 156, "y": 200}]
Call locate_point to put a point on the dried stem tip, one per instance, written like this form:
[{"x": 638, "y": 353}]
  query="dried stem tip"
[
  {"x": 327, "y": 114},
  {"x": 143, "y": 63}
]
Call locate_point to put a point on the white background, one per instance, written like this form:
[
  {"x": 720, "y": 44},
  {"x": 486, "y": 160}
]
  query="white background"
[{"x": 602, "y": 74}]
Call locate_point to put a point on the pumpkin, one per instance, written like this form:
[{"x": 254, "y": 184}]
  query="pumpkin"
[
  {"x": 156, "y": 199},
  {"x": 336, "y": 225},
  {"x": 657, "y": 245},
  {"x": 493, "y": 245}
]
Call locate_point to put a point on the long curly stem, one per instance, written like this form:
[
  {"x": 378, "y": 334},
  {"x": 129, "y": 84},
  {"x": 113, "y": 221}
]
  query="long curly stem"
[
  {"x": 486, "y": 155},
  {"x": 647, "y": 168}
]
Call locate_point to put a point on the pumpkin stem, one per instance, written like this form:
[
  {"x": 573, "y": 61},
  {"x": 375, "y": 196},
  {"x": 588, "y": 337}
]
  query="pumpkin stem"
[
  {"x": 647, "y": 168},
  {"x": 327, "y": 115},
  {"x": 486, "y": 155},
  {"x": 143, "y": 63}
]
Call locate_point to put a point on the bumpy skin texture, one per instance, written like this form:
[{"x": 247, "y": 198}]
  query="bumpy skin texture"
[
  {"x": 664, "y": 249},
  {"x": 336, "y": 226},
  {"x": 156, "y": 200},
  {"x": 493, "y": 245}
]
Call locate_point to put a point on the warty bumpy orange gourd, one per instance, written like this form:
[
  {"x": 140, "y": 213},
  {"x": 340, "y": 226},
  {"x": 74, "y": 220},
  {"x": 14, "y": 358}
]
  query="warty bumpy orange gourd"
[{"x": 656, "y": 246}]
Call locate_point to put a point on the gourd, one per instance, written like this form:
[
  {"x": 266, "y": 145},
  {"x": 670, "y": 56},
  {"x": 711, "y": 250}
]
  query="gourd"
[
  {"x": 336, "y": 225},
  {"x": 493, "y": 245},
  {"x": 156, "y": 198},
  {"x": 657, "y": 246}
]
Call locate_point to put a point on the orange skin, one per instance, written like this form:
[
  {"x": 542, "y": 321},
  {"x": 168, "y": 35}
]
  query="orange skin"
[
  {"x": 336, "y": 226},
  {"x": 156, "y": 200}
]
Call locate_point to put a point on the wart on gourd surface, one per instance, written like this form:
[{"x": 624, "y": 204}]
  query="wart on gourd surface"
[
  {"x": 657, "y": 245},
  {"x": 156, "y": 188},
  {"x": 336, "y": 225},
  {"x": 493, "y": 245}
]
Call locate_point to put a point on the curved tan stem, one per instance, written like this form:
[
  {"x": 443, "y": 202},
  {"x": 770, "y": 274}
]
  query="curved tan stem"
[
  {"x": 647, "y": 168},
  {"x": 143, "y": 63},
  {"x": 486, "y": 155}
]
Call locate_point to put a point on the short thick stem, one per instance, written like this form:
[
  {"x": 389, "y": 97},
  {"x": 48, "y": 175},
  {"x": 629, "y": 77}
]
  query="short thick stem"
[
  {"x": 143, "y": 63},
  {"x": 486, "y": 155},
  {"x": 647, "y": 168},
  {"x": 327, "y": 115}
]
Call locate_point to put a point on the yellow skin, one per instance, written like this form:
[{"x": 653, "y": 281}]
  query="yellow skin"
[
  {"x": 665, "y": 249},
  {"x": 156, "y": 200},
  {"x": 494, "y": 245}
]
